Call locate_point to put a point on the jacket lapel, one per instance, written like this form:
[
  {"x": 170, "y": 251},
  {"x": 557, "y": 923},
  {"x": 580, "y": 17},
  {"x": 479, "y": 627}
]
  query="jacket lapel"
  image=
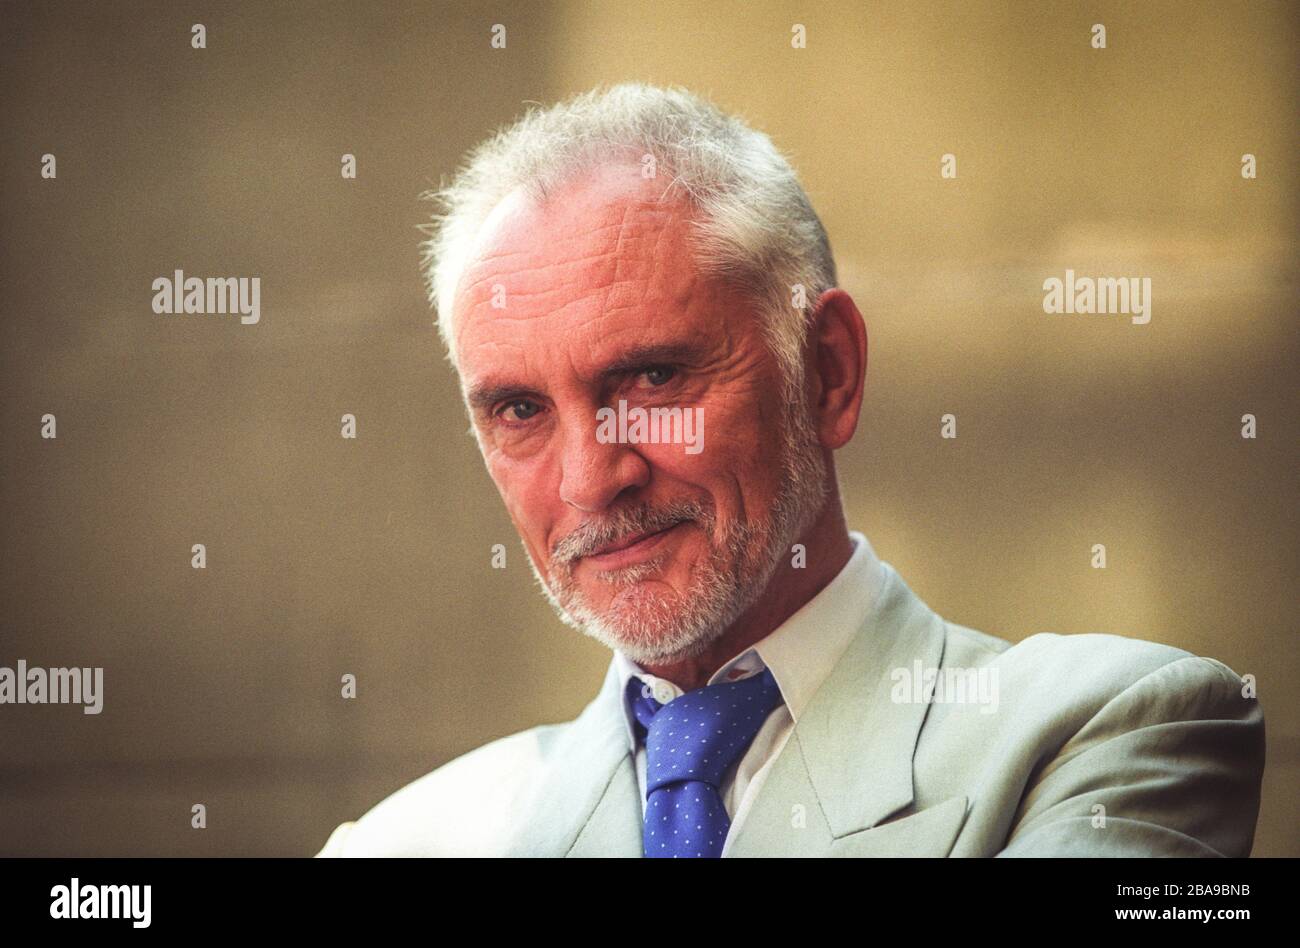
[{"x": 847, "y": 765}]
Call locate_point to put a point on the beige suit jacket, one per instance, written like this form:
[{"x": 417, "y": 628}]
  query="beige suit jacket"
[{"x": 1097, "y": 745}]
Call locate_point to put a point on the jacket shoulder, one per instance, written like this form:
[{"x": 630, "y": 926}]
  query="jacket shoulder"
[
  {"x": 1094, "y": 662},
  {"x": 1067, "y": 679},
  {"x": 462, "y": 808},
  {"x": 1065, "y": 726}
]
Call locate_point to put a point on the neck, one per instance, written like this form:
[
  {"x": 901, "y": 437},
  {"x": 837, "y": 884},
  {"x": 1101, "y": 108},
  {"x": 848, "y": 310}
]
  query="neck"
[{"x": 828, "y": 548}]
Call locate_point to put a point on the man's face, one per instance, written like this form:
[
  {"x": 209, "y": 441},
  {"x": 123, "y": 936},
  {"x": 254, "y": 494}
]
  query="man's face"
[{"x": 647, "y": 547}]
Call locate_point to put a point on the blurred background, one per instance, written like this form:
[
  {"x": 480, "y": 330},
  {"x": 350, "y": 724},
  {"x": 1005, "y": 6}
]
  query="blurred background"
[{"x": 372, "y": 557}]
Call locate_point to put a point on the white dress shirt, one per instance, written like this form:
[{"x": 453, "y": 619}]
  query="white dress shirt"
[{"x": 801, "y": 652}]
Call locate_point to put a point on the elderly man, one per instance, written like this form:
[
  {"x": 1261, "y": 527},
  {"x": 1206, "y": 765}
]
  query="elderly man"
[{"x": 774, "y": 688}]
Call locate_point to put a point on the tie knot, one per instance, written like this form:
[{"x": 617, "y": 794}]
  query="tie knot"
[{"x": 700, "y": 734}]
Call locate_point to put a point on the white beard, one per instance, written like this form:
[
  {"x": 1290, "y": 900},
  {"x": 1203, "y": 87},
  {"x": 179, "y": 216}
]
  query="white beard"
[{"x": 655, "y": 625}]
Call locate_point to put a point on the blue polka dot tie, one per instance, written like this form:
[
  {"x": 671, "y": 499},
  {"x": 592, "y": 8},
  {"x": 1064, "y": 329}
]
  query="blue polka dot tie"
[{"x": 691, "y": 742}]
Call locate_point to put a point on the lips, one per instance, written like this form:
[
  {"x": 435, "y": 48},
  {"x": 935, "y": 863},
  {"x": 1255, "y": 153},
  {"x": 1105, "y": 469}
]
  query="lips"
[
  {"x": 627, "y": 542},
  {"x": 630, "y": 549}
]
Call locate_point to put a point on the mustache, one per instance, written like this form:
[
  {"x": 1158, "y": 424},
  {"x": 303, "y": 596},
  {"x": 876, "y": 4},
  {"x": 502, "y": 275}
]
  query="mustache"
[{"x": 628, "y": 522}]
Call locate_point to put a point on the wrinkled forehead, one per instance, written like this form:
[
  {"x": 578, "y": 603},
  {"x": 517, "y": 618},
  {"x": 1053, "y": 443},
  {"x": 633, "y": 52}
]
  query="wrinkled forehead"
[{"x": 600, "y": 246}]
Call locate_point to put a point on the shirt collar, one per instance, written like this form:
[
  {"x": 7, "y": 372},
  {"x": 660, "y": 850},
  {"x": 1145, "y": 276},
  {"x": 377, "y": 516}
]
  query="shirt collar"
[{"x": 801, "y": 652}]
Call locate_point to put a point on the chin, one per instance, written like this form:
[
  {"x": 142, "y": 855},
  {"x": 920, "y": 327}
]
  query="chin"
[{"x": 648, "y": 622}]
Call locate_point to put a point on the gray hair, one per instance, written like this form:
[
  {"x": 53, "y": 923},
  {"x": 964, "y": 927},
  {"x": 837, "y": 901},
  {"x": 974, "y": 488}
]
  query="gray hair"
[{"x": 755, "y": 228}]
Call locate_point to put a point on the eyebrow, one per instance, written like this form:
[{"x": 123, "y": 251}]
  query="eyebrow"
[{"x": 487, "y": 393}]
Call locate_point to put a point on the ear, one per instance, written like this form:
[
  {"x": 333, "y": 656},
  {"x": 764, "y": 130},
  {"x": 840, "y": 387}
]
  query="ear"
[{"x": 838, "y": 353}]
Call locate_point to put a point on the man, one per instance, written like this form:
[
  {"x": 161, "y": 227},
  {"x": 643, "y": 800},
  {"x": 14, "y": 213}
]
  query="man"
[{"x": 775, "y": 689}]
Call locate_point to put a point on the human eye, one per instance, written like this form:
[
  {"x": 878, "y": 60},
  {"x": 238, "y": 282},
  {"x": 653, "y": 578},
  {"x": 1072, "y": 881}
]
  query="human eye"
[
  {"x": 658, "y": 375},
  {"x": 516, "y": 410}
]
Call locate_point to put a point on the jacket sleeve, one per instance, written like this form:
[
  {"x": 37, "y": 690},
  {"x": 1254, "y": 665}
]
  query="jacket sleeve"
[{"x": 1171, "y": 766}]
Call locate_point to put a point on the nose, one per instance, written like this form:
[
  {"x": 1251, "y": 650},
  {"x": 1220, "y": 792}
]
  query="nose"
[{"x": 595, "y": 474}]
